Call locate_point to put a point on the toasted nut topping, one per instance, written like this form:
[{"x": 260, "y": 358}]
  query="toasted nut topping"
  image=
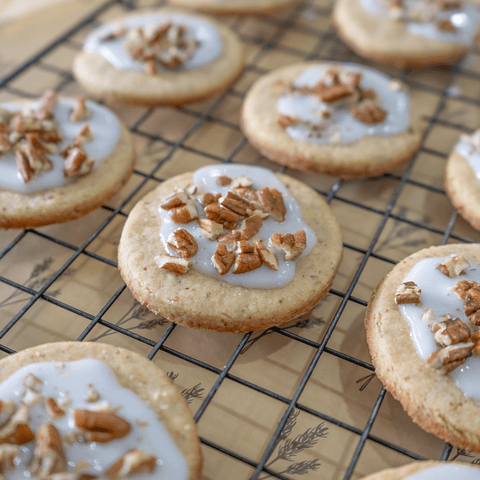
[
  {"x": 207, "y": 199},
  {"x": 285, "y": 121},
  {"x": 222, "y": 259},
  {"x": 174, "y": 200},
  {"x": 407, "y": 292},
  {"x": 271, "y": 201},
  {"x": 370, "y": 114},
  {"x": 16, "y": 430},
  {"x": 53, "y": 410},
  {"x": 428, "y": 315},
  {"x": 267, "y": 256},
  {"x": 92, "y": 395},
  {"x": 291, "y": 245},
  {"x": 242, "y": 181},
  {"x": 450, "y": 332},
  {"x": 446, "y": 25},
  {"x": 184, "y": 214},
  {"x": 469, "y": 291},
  {"x": 246, "y": 262},
  {"x": 454, "y": 265},
  {"x": 250, "y": 227},
  {"x": 222, "y": 215},
  {"x": 5, "y": 145},
  {"x": 173, "y": 264},
  {"x": 32, "y": 382},
  {"x": 281, "y": 87},
  {"x": 212, "y": 230},
  {"x": 100, "y": 426},
  {"x": 48, "y": 455},
  {"x": 235, "y": 203},
  {"x": 8, "y": 454},
  {"x": 37, "y": 159},
  {"x": 77, "y": 163},
  {"x": 223, "y": 180},
  {"x": 80, "y": 111},
  {"x": 475, "y": 338},
  {"x": 447, "y": 359},
  {"x": 23, "y": 166},
  {"x": 230, "y": 239},
  {"x": 183, "y": 243},
  {"x": 47, "y": 105},
  {"x": 133, "y": 462}
]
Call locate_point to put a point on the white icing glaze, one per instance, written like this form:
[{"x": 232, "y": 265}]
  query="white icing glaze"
[
  {"x": 465, "y": 20},
  {"x": 263, "y": 277},
  {"x": 71, "y": 380},
  {"x": 105, "y": 127},
  {"x": 437, "y": 295},
  {"x": 447, "y": 472},
  {"x": 466, "y": 147},
  {"x": 308, "y": 108},
  {"x": 210, "y": 43}
]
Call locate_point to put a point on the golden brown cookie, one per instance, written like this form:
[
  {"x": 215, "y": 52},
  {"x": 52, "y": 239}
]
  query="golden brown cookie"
[
  {"x": 428, "y": 471},
  {"x": 340, "y": 119},
  {"x": 240, "y": 290},
  {"x": 114, "y": 397},
  {"x": 461, "y": 182},
  {"x": 431, "y": 369},
  {"x": 374, "y": 30},
  {"x": 237, "y": 7},
  {"x": 60, "y": 168},
  {"x": 161, "y": 57}
]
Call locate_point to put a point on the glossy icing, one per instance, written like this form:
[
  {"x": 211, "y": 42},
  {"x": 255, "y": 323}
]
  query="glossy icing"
[
  {"x": 469, "y": 148},
  {"x": 437, "y": 295},
  {"x": 447, "y": 472},
  {"x": 465, "y": 20},
  {"x": 71, "y": 380},
  {"x": 308, "y": 108},
  {"x": 263, "y": 277},
  {"x": 106, "y": 132},
  {"x": 209, "y": 48}
]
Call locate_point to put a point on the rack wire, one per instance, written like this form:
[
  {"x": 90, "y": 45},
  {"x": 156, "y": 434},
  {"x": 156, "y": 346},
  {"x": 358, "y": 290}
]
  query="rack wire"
[{"x": 408, "y": 212}]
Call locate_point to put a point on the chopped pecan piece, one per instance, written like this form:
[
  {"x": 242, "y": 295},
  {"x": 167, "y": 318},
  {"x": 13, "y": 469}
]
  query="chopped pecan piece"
[
  {"x": 250, "y": 227},
  {"x": 8, "y": 454},
  {"x": 450, "y": 332},
  {"x": 53, "y": 409},
  {"x": 291, "y": 245},
  {"x": 271, "y": 201},
  {"x": 208, "y": 198},
  {"x": 212, "y": 230},
  {"x": 247, "y": 260},
  {"x": 184, "y": 214},
  {"x": 132, "y": 463},
  {"x": 230, "y": 239},
  {"x": 183, "y": 243},
  {"x": 407, "y": 292},
  {"x": 23, "y": 166},
  {"x": 222, "y": 215},
  {"x": 48, "y": 455},
  {"x": 37, "y": 159},
  {"x": 16, "y": 430},
  {"x": 446, "y": 25},
  {"x": 174, "y": 200},
  {"x": 236, "y": 203},
  {"x": 475, "y": 338},
  {"x": 80, "y": 111},
  {"x": 469, "y": 292},
  {"x": 267, "y": 256},
  {"x": 47, "y": 105},
  {"x": 77, "y": 163},
  {"x": 449, "y": 358},
  {"x": 114, "y": 35},
  {"x": 370, "y": 114},
  {"x": 281, "y": 86},
  {"x": 173, "y": 264},
  {"x": 100, "y": 427},
  {"x": 241, "y": 181},
  {"x": 454, "y": 265},
  {"x": 92, "y": 395},
  {"x": 285, "y": 121},
  {"x": 223, "y": 180},
  {"x": 5, "y": 145},
  {"x": 222, "y": 259}
]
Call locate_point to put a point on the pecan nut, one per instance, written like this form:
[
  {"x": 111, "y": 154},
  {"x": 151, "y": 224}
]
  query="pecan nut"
[
  {"x": 48, "y": 455},
  {"x": 407, "y": 292},
  {"x": 132, "y": 463},
  {"x": 222, "y": 259},
  {"x": 450, "y": 332},
  {"x": 100, "y": 427},
  {"x": 271, "y": 201},
  {"x": 183, "y": 243},
  {"x": 291, "y": 245},
  {"x": 454, "y": 265},
  {"x": 173, "y": 264},
  {"x": 222, "y": 215},
  {"x": 449, "y": 358}
]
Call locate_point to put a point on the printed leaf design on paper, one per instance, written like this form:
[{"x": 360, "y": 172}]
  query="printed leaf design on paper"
[
  {"x": 289, "y": 448},
  {"x": 461, "y": 452},
  {"x": 365, "y": 381},
  {"x": 189, "y": 394}
]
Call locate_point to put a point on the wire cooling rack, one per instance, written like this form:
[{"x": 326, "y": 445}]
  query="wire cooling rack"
[{"x": 287, "y": 402}]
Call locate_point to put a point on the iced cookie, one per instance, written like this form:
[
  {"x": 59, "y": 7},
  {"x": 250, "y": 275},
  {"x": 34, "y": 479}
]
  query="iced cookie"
[
  {"x": 428, "y": 471},
  {"x": 87, "y": 410},
  {"x": 230, "y": 248},
  {"x": 423, "y": 331},
  {"x": 59, "y": 159},
  {"x": 462, "y": 178},
  {"x": 155, "y": 58},
  {"x": 341, "y": 119},
  {"x": 407, "y": 32},
  {"x": 238, "y": 7}
]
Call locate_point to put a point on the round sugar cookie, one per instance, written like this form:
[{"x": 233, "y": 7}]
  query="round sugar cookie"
[
  {"x": 159, "y": 58},
  {"x": 461, "y": 181},
  {"x": 301, "y": 116},
  {"x": 429, "y": 470},
  {"x": 53, "y": 380},
  {"x": 237, "y": 7},
  {"x": 373, "y": 30},
  {"x": 413, "y": 367},
  {"x": 50, "y": 196},
  {"x": 232, "y": 302}
]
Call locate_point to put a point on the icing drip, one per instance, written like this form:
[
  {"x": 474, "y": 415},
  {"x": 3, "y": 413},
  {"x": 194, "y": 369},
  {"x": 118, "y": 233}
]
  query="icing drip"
[{"x": 469, "y": 148}]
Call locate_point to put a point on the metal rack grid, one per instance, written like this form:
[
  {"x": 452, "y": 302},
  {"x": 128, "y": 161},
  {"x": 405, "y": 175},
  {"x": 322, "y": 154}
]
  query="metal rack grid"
[{"x": 264, "y": 39}]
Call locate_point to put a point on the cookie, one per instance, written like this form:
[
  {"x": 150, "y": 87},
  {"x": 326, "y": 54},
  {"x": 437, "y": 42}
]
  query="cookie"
[
  {"x": 407, "y": 34},
  {"x": 237, "y": 7},
  {"x": 116, "y": 414},
  {"x": 423, "y": 334},
  {"x": 157, "y": 58},
  {"x": 230, "y": 248},
  {"x": 462, "y": 182},
  {"x": 340, "y": 119},
  {"x": 60, "y": 159},
  {"x": 428, "y": 471}
]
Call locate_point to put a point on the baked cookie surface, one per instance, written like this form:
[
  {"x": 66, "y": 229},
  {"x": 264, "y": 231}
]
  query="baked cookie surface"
[
  {"x": 461, "y": 178},
  {"x": 233, "y": 302},
  {"x": 158, "y": 58},
  {"x": 83, "y": 384},
  {"x": 56, "y": 182},
  {"x": 325, "y": 118},
  {"x": 376, "y": 31},
  {"x": 428, "y": 471},
  {"x": 238, "y": 7},
  {"x": 425, "y": 352}
]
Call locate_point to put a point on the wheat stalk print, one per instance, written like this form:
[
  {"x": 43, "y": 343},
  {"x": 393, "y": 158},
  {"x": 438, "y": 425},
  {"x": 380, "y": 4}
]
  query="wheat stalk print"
[{"x": 188, "y": 393}]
